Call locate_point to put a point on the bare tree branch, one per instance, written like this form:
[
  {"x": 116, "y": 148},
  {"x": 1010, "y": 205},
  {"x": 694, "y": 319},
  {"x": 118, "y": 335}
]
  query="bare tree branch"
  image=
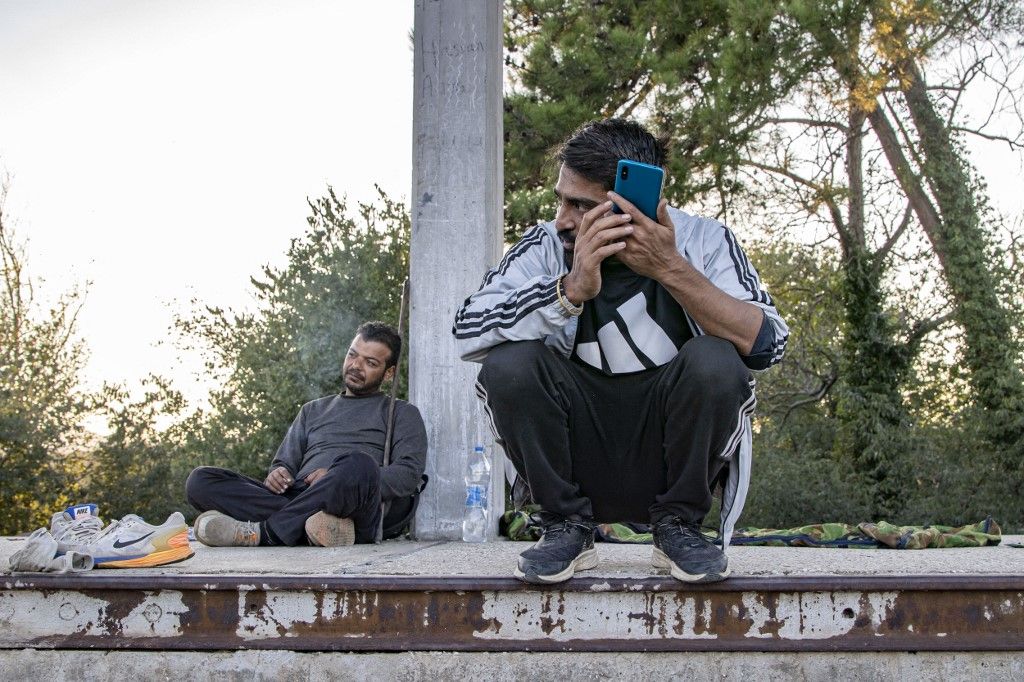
[
  {"x": 969, "y": 75},
  {"x": 925, "y": 327},
  {"x": 820, "y": 192},
  {"x": 1015, "y": 143},
  {"x": 926, "y": 212},
  {"x": 883, "y": 252},
  {"x": 810, "y": 122},
  {"x": 636, "y": 99},
  {"x": 817, "y": 396}
]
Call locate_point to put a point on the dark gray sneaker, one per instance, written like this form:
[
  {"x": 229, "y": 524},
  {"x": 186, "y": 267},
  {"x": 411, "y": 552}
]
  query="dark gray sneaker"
[
  {"x": 688, "y": 555},
  {"x": 565, "y": 547}
]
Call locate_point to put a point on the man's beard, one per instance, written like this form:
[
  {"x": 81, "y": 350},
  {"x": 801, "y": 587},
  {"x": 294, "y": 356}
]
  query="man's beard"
[
  {"x": 612, "y": 259},
  {"x": 360, "y": 388}
]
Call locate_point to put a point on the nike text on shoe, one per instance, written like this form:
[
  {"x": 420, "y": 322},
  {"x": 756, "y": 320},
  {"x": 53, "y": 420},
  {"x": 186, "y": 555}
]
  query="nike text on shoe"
[
  {"x": 216, "y": 529},
  {"x": 565, "y": 547},
  {"x": 73, "y": 527},
  {"x": 328, "y": 530},
  {"x": 133, "y": 543},
  {"x": 689, "y": 556}
]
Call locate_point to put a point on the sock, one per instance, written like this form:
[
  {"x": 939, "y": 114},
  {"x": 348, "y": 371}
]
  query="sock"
[{"x": 267, "y": 537}]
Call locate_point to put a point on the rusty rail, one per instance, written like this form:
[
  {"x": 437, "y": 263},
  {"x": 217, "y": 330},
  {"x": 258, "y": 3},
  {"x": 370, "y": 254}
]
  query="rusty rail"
[{"x": 395, "y": 613}]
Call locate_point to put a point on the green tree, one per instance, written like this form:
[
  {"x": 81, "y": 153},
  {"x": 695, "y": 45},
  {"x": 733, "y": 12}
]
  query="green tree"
[
  {"x": 943, "y": 193},
  {"x": 139, "y": 466},
  {"x": 769, "y": 105},
  {"x": 796, "y": 421},
  {"x": 41, "y": 406},
  {"x": 290, "y": 349}
]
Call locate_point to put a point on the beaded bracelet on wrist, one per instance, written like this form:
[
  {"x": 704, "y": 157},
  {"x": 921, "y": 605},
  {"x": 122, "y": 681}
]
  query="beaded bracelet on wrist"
[{"x": 571, "y": 308}]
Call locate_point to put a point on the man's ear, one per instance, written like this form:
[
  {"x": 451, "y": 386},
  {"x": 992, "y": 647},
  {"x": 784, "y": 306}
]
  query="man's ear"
[{"x": 389, "y": 373}]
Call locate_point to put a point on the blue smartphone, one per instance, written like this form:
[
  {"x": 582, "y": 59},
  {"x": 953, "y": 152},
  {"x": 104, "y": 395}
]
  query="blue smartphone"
[{"x": 641, "y": 184}]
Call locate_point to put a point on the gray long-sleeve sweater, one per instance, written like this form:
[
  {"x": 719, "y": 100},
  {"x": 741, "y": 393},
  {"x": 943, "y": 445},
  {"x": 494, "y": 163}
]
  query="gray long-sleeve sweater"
[{"x": 337, "y": 424}]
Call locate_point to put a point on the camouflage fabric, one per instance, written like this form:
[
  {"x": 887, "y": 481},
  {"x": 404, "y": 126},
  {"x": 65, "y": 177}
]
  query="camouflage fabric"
[
  {"x": 520, "y": 525},
  {"x": 814, "y": 535},
  {"x": 881, "y": 534},
  {"x": 917, "y": 537}
]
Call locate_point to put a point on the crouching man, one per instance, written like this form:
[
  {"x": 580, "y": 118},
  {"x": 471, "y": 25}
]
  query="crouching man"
[
  {"x": 326, "y": 483},
  {"x": 616, "y": 352}
]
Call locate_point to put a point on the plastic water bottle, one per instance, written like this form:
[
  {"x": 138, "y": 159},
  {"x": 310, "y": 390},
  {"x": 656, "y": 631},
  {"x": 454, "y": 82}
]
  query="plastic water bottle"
[{"x": 478, "y": 486}]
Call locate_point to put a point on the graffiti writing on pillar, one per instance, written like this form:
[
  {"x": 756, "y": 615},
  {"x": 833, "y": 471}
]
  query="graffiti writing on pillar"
[
  {"x": 453, "y": 88},
  {"x": 455, "y": 49}
]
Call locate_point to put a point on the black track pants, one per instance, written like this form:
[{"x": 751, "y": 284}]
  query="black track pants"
[
  {"x": 634, "y": 447},
  {"x": 350, "y": 489}
]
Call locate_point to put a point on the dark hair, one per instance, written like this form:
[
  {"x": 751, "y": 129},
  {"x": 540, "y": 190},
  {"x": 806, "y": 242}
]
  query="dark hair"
[
  {"x": 595, "y": 148},
  {"x": 382, "y": 332}
]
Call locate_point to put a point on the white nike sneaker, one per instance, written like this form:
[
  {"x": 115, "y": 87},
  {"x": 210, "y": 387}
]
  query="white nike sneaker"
[
  {"x": 133, "y": 543},
  {"x": 75, "y": 526}
]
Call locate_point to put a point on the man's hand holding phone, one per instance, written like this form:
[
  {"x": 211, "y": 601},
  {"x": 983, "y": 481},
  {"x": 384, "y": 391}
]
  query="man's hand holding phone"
[
  {"x": 599, "y": 236},
  {"x": 651, "y": 250}
]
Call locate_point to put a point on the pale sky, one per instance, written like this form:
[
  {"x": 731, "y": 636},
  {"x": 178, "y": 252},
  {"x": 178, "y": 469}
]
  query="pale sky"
[{"x": 164, "y": 150}]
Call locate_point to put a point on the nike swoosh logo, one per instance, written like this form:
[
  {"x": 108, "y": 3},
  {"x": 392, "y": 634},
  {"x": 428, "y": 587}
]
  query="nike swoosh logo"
[{"x": 118, "y": 544}]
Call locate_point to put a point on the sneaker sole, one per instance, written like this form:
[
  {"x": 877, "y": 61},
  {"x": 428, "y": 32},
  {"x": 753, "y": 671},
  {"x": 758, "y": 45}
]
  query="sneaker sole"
[
  {"x": 325, "y": 530},
  {"x": 584, "y": 561},
  {"x": 660, "y": 560},
  {"x": 179, "y": 551}
]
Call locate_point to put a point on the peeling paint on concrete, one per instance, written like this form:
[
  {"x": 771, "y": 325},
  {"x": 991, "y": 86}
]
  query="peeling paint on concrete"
[
  {"x": 69, "y": 613},
  {"x": 689, "y": 616},
  {"x": 598, "y": 616},
  {"x": 261, "y": 615},
  {"x": 159, "y": 615},
  {"x": 816, "y": 615},
  {"x": 614, "y": 617}
]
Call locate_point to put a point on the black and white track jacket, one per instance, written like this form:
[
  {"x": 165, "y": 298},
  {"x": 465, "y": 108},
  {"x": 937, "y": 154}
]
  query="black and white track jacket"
[{"x": 518, "y": 302}]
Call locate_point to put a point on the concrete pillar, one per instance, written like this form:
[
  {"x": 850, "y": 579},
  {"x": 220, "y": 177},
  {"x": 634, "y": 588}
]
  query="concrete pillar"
[{"x": 457, "y": 216}]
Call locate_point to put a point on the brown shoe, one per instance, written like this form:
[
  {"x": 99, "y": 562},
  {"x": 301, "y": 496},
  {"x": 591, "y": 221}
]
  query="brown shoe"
[{"x": 327, "y": 530}]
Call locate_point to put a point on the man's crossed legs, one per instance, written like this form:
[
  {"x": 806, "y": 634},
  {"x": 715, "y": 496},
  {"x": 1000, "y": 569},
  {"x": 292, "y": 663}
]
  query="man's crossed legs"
[
  {"x": 239, "y": 510},
  {"x": 642, "y": 447}
]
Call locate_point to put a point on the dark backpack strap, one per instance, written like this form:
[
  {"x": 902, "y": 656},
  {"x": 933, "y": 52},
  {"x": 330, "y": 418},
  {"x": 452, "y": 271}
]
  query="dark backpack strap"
[{"x": 396, "y": 528}]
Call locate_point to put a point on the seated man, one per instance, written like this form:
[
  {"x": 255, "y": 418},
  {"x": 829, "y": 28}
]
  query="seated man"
[
  {"x": 616, "y": 352},
  {"x": 326, "y": 483}
]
